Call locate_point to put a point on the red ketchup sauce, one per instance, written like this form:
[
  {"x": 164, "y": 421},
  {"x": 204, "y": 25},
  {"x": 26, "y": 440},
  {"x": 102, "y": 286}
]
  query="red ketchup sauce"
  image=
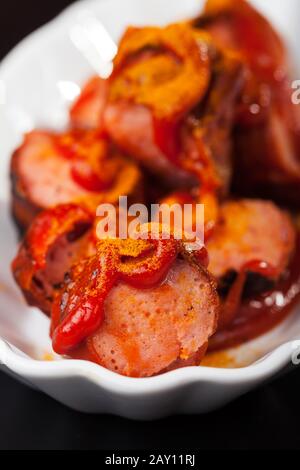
[{"x": 262, "y": 313}]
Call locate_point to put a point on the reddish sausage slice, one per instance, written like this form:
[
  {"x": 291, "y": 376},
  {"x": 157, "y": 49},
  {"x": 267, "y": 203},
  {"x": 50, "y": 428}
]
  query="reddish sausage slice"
[
  {"x": 152, "y": 330},
  {"x": 267, "y": 159},
  {"x": 131, "y": 127},
  {"x": 57, "y": 238},
  {"x": 248, "y": 231},
  {"x": 192, "y": 142},
  {"x": 267, "y": 139},
  {"x": 41, "y": 177}
]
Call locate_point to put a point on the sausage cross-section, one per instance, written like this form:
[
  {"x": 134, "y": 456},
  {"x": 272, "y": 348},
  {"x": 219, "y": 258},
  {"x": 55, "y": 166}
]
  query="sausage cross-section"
[
  {"x": 72, "y": 167},
  {"x": 136, "y": 315}
]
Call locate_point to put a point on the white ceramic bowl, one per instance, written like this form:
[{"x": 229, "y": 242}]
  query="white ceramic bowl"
[{"x": 38, "y": 80}]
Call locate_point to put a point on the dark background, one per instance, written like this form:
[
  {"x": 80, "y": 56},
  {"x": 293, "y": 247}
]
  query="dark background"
[{"x": 268, "y": 418}]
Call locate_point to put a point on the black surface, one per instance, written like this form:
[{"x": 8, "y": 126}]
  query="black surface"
[
  {"x": 268, "y": 418},
  {"x": 265, "y": 419}
]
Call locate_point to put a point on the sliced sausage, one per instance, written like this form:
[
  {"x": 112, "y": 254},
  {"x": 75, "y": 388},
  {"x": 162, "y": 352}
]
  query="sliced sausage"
[
  {"x": 251, "y": 232},
  {"x": 131, "y": 127},
  {"x": 57, "y": 239},
  {"x": 87, "y": 111},
  {"x": 267, "y": 137},
  {"x": 149, "y": 331},
  {"x": 188, "y": 144},
  {"x": 267, "y": 161}
]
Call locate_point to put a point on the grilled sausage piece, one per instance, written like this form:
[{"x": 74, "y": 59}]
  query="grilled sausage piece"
[
  {"x": 87, "y": 111},
  {"x": 267, "y": 159},
  {"x": 50, "y": 169},
  {"x": 267, "y": 137},
  {"x": 57, "y": 239},
  {"x": 253, "y": 235},
  {"x": 182, "y": 135},
  {"x": 137, "y": 307},
  {"x": 148, "y": 331}
]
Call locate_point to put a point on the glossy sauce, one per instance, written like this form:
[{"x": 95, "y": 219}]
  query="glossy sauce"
[{"x": 264, "y": 312}]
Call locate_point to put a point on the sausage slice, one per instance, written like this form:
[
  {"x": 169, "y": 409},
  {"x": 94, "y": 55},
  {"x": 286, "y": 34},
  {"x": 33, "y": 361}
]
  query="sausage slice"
[
  {"x": 251, "y": 232},
  {"x": 50, "y": 169},
  {"x": 182, "y": 141},
  {"x": 148, "y": 331},
  {"x": 267, "y": 137},
  {"x": 87, "y": 112},
  {"x": 57, "y": 239}
]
